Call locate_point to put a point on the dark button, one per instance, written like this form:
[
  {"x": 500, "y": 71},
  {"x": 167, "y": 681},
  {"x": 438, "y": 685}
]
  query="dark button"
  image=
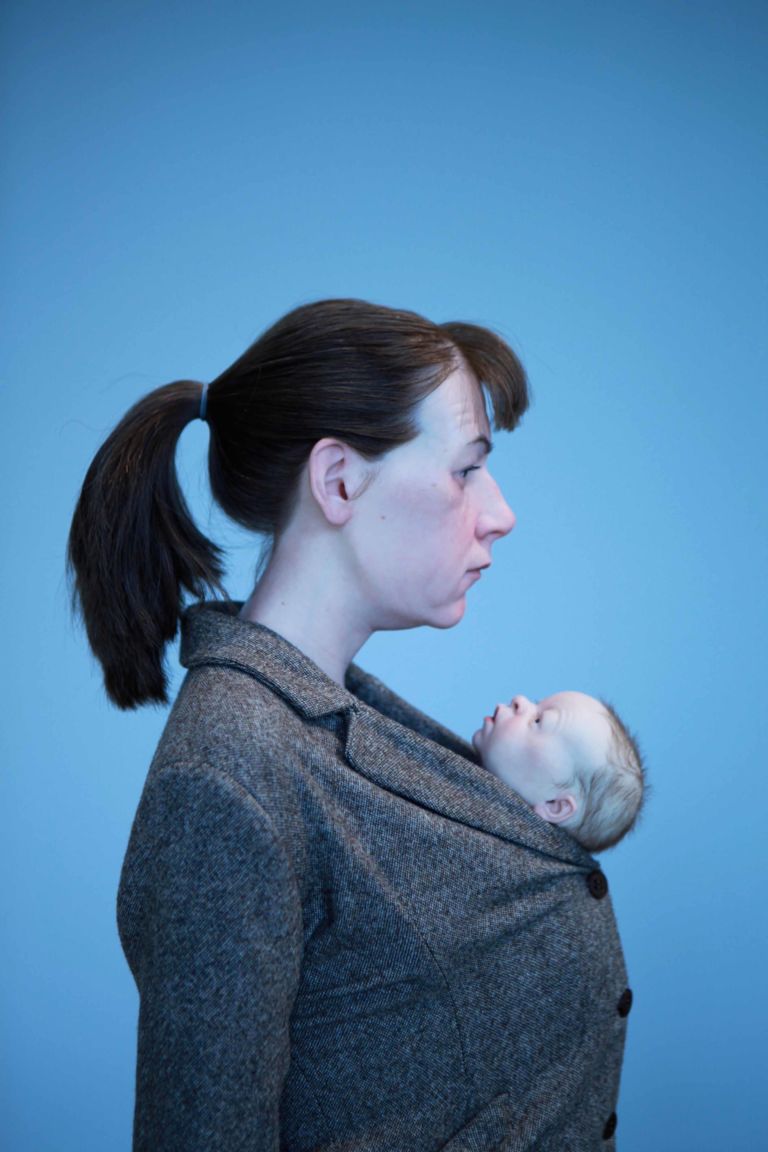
[
  {"x": 597, "y": 884},
  {"x": 625, "y": 1002},
  {"x": 610, "y": 1126}
]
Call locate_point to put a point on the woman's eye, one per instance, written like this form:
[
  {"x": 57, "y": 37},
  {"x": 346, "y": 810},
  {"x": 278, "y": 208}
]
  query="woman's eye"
[{"x": 472, "y": 468}]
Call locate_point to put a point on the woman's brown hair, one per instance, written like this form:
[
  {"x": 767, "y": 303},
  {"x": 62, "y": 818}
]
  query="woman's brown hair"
[{"x": 342, "y": 368}]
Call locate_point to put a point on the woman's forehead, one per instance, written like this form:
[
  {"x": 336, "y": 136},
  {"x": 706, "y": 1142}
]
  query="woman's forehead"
[{"x": 455, "y": 411}]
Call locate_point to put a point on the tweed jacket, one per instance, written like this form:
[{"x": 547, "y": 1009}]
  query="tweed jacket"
[{"x": 348, "y": 936}]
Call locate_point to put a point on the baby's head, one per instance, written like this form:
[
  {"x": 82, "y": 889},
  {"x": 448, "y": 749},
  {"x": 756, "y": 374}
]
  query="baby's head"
[{"x": 572, "y": 759}]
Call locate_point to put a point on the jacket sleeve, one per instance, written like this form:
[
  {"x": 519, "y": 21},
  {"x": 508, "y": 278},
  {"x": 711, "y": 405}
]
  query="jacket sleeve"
[{"x": 209, "y": 913}]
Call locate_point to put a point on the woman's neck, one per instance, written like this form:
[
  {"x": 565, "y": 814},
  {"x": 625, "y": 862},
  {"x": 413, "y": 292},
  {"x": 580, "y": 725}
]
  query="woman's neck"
[{"x": 304, "y": 599}]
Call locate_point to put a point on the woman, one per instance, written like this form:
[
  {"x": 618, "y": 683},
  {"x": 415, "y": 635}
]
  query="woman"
[{"x": 345, "y": 934}]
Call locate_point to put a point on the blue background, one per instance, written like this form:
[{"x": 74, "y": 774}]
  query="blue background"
[{"x": 587, "y": 178}]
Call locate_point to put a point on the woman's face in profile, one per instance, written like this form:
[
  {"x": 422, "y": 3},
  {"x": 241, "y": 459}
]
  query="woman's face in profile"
[{"x": 426, "y": 524}]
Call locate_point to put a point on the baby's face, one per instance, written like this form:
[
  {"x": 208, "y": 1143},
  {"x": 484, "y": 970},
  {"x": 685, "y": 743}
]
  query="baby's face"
[{"x": 536, "y": 747}]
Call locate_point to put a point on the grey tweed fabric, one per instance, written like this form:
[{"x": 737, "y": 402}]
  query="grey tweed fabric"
[{"x": 348, "y": 936}]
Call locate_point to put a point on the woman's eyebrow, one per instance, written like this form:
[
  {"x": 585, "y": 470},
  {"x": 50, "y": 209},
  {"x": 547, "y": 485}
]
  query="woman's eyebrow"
[{"x": 487, "y": 446}]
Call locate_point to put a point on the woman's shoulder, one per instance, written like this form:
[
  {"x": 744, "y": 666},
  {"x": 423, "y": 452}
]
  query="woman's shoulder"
[
  {"x": 232, "y": 740},
  {"x": 225, "y": 714}
]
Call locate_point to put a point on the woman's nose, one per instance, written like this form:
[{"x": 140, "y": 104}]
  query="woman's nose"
[
  {"x": 497, "y": 518},
  {"x": 509, "y": 517}
]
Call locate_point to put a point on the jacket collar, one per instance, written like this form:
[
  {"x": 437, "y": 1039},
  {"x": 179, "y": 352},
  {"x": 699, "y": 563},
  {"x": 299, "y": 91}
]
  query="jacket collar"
[
  {"x": 384, "y": 733},
  {"x": 212, "y": 632}
]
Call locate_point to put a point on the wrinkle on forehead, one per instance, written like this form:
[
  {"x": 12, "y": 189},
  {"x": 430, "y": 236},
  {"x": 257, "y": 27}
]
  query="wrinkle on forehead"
[
  {"x": 456, "y": 409},
  {"x": 473, "y": 400},
  {"x": 474, "y": 413}
]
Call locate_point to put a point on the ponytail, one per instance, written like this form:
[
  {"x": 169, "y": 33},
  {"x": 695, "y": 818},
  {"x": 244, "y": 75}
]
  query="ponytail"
[{"x": 133, "y": 548}]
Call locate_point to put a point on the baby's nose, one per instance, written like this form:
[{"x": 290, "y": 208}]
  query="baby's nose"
[{"x": 520, "y": 703}]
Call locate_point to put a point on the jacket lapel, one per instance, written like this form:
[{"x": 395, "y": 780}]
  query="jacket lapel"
[
  {"x": 403, "y": 751},
  {"x": 387, "y": 740}
]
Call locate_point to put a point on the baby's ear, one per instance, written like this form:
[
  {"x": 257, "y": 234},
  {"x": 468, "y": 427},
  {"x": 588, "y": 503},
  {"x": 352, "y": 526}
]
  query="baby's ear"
[{"x": 559, "y": 810}]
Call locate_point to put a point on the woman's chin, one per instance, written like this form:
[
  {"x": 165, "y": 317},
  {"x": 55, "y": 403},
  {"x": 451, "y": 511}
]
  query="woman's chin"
[{"x": 450, "y": 615}]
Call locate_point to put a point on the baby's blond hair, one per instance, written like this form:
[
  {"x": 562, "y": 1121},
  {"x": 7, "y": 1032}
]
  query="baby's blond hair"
[{"x": 612, "y": 794}]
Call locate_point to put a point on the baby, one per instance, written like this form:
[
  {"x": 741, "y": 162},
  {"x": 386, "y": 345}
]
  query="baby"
[{"x": 572, "y": 760}]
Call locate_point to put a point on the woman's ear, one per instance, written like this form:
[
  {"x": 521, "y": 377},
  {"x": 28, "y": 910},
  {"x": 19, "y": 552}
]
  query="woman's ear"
[
  {"x": 559, "y": 810},
  {"x": 335, "y": 473}
]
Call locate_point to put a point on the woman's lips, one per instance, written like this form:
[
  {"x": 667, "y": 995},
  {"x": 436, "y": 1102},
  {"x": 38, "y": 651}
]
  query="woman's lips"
[{"x": 479, "y": 570}]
